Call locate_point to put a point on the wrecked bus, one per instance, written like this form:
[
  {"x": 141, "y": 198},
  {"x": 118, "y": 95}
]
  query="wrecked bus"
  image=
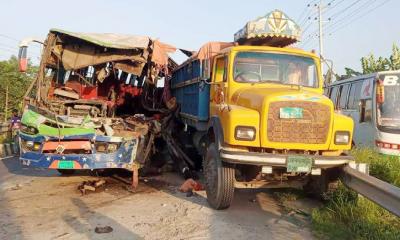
[
  {"x": 256, "y": 112},
  {"x": 86, "y": 108}
]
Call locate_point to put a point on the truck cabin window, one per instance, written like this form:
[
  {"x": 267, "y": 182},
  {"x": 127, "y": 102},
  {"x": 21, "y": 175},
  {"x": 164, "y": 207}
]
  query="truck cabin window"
[
  {"x": 220, "y": 73},
  {"x": 389, "y": 109},
  {"x": 258, "y": 67}
]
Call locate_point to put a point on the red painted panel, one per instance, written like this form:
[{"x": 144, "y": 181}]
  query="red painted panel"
[{"x": 85, "y": 145}]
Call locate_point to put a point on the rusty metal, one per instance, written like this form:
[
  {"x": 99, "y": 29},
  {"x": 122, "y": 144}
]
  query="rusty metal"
[
  {"x": 135, "y": 176},
  {"x": 313, "y": 128},
  {"x": 378, "y": 191}
]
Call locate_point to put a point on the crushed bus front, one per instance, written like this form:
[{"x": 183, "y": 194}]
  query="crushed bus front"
[
  {"x": 67, "y": 144},
  {"x": 94, "y": 104}
]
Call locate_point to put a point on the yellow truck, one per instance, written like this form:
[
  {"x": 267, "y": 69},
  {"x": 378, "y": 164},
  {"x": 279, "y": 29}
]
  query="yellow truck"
[{"x": 256, "y": 113}]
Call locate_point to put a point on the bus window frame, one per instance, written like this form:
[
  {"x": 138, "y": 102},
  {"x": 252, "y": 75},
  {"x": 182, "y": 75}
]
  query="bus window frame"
[
  {"x": 356, "y": 105},
  {"x": 330, "y": 94},
  {"x": 342, "y": 86}
]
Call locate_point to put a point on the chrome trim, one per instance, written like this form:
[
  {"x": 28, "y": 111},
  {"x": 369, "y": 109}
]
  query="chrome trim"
[{"x": 269, "y": 159}]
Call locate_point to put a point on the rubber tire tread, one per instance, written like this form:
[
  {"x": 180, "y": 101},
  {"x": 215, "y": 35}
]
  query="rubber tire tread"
[{"x": 225, "y": 183}]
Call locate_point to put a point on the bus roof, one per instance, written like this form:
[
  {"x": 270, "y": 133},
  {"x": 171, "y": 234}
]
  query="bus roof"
[{"x": 364, "y": 76}]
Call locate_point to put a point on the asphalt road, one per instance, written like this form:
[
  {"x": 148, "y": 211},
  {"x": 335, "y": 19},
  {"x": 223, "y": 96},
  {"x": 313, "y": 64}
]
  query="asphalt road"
[{"x": 41, "y": 204}]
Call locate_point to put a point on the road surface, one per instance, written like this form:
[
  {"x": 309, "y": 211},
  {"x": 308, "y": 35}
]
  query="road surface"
[{"x": 41, "y": 204}]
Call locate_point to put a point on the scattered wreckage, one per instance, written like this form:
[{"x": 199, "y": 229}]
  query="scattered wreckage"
[
  {"x": 251, "y": 112},
  {"x": 95, "y": 103}
]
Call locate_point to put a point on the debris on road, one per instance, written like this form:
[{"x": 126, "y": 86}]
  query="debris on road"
[
  {"x": 16, "y": 187},
  {"x": 90, "y": 185},
  {"x": 105, "y": 229},
  {"x": 189, "y": 185}
]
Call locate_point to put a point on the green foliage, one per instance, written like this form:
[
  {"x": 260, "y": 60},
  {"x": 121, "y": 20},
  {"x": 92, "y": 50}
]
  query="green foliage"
[
  {"x": 16, "y": 81},
  {"x": 346, "y": 216},
  {"x": 370, "y": 64},
  {"x": 395, "y": 58},
  {"x": 349, "y": 73},
  {"x": 386, "y": 168}
]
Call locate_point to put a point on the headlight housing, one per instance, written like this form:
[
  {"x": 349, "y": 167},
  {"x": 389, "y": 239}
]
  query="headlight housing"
[
  {"x": 244, "y": 133},
  {"x": 30, "y": 145},
  {"x": 342, "y": 138},
  {"x": 28, "y": 129},
  {"x": 105, "y": 147}
]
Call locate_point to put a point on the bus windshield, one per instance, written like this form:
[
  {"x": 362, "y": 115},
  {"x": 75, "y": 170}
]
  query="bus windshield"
[
  {"x": 389, "y": 110},
  {"x": 259, "y": 67}
]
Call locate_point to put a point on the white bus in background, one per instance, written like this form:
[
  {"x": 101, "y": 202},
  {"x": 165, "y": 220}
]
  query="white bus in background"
[{"x": 373, "y": 101}]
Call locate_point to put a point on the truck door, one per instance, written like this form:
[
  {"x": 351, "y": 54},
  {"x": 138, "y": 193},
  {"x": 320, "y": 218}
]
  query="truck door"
[{"x": 219, "y": 85}]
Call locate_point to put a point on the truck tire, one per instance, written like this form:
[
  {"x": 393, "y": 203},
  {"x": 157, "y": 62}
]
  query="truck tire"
[
  {"x": 66, "y": 172},
  {"x": 220, "y": 179}
]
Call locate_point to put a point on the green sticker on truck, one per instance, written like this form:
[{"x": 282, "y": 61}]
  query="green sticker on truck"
[
  {"x": 299, "y": 164},
  {"x": 290, "y": 112}
]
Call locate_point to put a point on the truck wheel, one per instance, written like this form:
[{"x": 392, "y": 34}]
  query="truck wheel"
[
  {"x": 66, "y": 172},
  {"x": 220, "y": 179},
  {"x": 323, "y": 186}
]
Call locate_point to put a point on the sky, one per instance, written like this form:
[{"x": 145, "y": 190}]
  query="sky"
[{"x": 363, "y": 26}]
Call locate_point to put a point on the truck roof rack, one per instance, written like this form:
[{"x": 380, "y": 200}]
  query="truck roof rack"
[{"x": 274, "y": 29}]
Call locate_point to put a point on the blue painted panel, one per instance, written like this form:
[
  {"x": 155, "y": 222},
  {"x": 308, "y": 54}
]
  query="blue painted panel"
[
  {"x": 119, "y": 159},
  {"x": 194, "y": 98}
]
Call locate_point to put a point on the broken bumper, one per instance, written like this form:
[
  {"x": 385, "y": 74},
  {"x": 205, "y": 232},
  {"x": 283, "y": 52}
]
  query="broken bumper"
[
  {"x": 280, "y": 160},
  {"x": 123, "y": 157}
]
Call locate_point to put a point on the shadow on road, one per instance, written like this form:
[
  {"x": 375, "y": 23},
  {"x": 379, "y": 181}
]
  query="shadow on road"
[{"x": 88, "y": 220}]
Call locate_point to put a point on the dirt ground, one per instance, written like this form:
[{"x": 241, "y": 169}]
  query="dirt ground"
[{"x": 41, "y": 204}]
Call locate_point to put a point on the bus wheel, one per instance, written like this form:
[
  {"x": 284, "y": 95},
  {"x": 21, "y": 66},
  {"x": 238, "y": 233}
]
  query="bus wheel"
[
  {"x": 220, "y": 179},
  {"x": 66, "y": 171}
]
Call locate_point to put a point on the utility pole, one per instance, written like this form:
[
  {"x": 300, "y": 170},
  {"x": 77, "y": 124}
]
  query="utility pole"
[
  {"x": 321, "y": 45},
  {"x": 6, "y": 105},
  {"x": 320, "y": 8}
]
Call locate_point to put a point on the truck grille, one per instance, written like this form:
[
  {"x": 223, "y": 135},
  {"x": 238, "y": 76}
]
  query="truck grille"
[{"x": 313, "y": 128}]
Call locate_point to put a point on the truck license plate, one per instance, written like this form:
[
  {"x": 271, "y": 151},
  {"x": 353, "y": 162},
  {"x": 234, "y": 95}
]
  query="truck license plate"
[
  {"x": 299, "y": 164},
  {"x": 290, "y": 112},
  {"x": 66, "y": 164}
]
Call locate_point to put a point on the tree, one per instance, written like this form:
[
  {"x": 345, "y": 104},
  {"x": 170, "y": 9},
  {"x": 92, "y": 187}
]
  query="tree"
[
  {"x": 349, "y": 73},
  {"x": 16, "y": 81},
  {"x": 370, "y": 64},
  {"x": 395, "y": 58}
]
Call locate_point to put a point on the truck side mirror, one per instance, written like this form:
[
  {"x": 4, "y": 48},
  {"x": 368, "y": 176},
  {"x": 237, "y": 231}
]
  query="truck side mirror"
[
  {"x": 22, "y": 59},
  {"x": 205, "y": 69}
]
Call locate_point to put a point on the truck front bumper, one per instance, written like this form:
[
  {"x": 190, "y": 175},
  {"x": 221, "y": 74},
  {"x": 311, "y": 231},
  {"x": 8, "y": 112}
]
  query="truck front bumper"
[{"x": 280, "y": 160}]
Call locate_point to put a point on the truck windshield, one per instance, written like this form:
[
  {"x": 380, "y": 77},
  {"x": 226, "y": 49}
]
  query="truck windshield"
[
  {"x": 259, "y": 67},
  {"x": 389, "y": 110}
]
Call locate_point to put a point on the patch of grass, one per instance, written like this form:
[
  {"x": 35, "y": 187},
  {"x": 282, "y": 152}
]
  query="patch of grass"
[
  {"x": 347, "y": 216},
  {"x": 386, "y": 168},
  {"x": 288, "y": 195}
]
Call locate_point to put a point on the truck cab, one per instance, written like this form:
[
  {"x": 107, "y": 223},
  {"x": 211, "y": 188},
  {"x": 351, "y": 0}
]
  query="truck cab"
[{"x": 259, "y": 118}]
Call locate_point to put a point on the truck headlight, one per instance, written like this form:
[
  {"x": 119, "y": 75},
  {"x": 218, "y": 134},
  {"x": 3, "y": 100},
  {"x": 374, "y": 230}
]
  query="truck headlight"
[
  {"x": 342, "y": 138},
  {"x": 245, "y": 133}
]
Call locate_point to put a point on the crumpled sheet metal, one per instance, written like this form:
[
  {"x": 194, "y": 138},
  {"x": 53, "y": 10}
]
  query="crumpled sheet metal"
[
  {"x": 117, "y": 42},
  {"x": 74, "y": 57},
  {"x": 160, "y": 52},
  {"x": 110, "y": 40}
]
